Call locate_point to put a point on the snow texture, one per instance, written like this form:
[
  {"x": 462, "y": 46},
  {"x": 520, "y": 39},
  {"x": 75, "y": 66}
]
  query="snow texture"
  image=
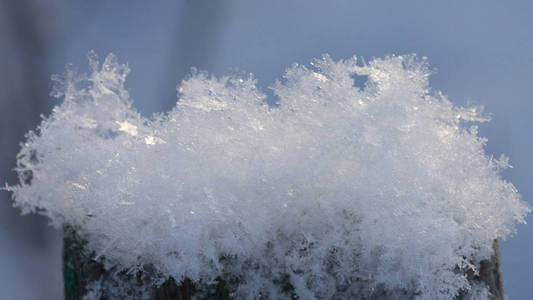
[{"x": 339, "y": 189}]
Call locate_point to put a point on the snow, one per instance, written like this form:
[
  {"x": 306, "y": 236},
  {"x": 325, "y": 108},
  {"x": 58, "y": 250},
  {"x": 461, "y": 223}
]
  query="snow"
[{"x": 343, "y": 190}]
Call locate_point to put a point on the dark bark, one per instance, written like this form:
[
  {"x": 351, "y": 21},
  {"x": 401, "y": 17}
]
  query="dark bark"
[
  {"x": 491, "y": 272},
  {"x": 83, "y": 275}
]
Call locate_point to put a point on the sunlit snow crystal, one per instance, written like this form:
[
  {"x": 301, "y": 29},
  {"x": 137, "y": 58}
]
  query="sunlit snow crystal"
[{"x": 339, "y": 188}]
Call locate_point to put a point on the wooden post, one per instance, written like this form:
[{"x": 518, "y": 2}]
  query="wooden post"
[
  {"x": 491, "y": 272},
  {"x": 86, "y": 278}
]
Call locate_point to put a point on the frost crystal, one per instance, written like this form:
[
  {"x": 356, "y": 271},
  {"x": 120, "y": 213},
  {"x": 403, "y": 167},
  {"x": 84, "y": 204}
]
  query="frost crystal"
[{"x": 340, "y": 190}]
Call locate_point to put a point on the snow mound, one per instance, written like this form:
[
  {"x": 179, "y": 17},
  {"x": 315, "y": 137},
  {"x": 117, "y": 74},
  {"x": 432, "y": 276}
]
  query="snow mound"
[{"x": 335, "y": 188}]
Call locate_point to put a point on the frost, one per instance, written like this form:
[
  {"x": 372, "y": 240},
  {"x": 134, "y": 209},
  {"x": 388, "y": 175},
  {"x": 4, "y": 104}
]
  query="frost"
[
  {"x": 340, "y": 190},
  {"x": 128, "y": 128}
]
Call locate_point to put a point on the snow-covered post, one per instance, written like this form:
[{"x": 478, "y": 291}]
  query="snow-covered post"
[
  {"x": 334, "y": 192},
  {"x": 491, "y": 273},
  {"x": 81, "y": 273}
]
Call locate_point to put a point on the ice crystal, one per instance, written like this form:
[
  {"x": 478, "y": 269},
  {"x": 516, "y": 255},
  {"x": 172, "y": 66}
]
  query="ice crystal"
[{"x": 338, "y": 189}]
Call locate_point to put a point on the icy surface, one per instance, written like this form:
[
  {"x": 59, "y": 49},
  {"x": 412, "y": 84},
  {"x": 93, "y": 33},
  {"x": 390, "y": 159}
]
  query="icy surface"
[{"x": 338, "y": 189}]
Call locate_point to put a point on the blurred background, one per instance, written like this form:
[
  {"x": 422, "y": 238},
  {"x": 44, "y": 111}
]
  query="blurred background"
[{"x": 481, "y": 51}]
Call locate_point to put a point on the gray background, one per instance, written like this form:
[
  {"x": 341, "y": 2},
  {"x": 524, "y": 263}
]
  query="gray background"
[{"x": 482, "y": 52}]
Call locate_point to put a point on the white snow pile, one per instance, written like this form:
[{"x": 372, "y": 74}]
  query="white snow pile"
[{"x": 338, "y": 189}]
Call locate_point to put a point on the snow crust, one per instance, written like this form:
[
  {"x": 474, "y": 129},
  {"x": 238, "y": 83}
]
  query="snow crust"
[{"x": 341, "y": 190}]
